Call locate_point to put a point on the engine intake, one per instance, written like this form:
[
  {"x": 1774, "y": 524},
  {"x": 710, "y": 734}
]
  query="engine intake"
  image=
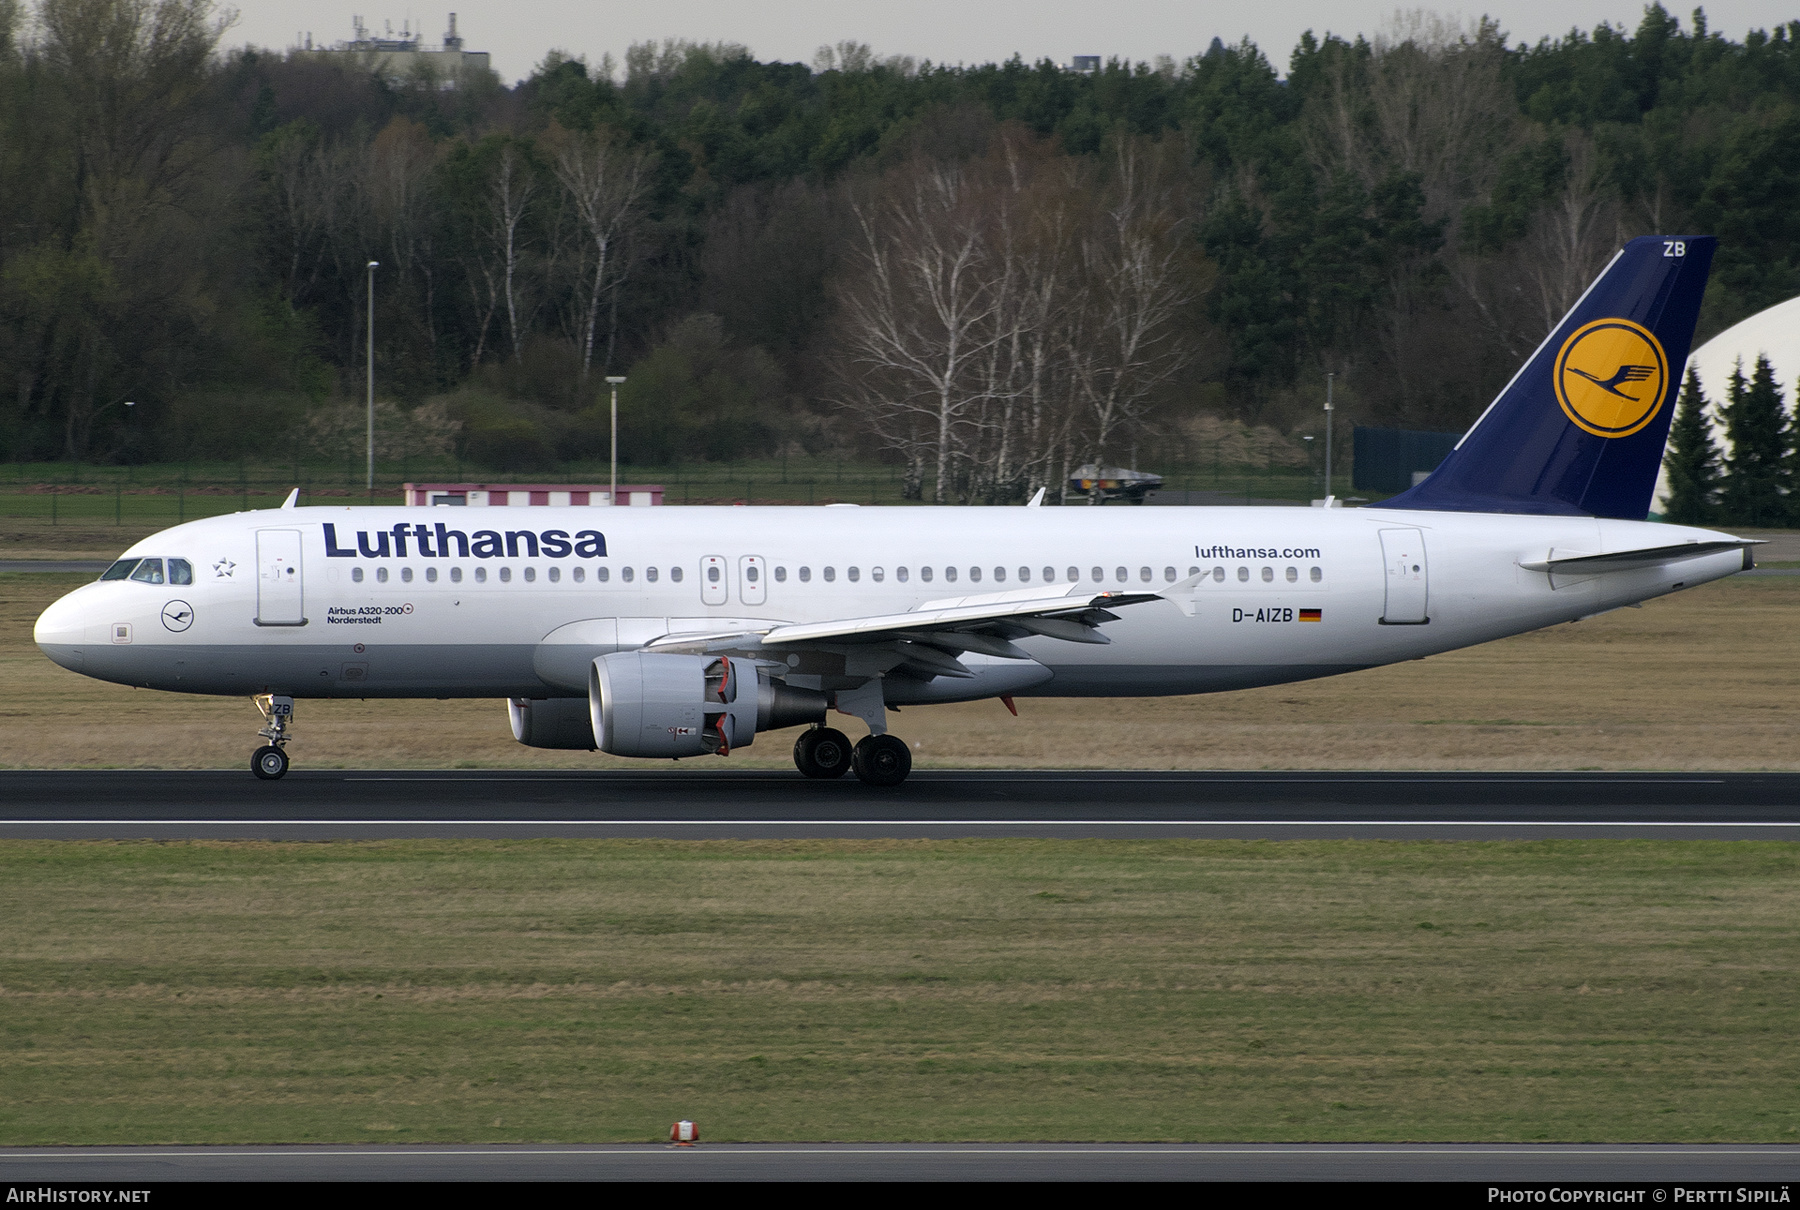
[{"x": 656, "y": 704}]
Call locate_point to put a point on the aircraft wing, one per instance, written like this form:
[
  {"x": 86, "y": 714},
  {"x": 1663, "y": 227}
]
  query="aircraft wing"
[
  {"x": 1633, "y": 560},
  {"x": 930, "y": 637}
]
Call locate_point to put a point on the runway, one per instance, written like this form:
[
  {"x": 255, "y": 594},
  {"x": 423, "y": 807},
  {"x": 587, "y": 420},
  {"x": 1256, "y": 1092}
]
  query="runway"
[
  {"x": 706, "y": 804},
  {"x": 1646, "y": 1165}
]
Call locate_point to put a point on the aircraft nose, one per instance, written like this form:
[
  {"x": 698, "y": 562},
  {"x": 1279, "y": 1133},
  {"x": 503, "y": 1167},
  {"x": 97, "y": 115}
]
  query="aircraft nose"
[{"x": 61, "y": 629}]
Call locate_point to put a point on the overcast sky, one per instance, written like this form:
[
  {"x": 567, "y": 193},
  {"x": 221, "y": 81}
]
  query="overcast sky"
[{"x": 517, "y": 33}]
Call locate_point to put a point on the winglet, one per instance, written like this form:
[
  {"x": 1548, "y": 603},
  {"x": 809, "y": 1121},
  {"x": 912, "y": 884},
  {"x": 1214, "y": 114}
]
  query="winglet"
[
  {"x": 292, "y": 500},
  {"x": 1037, "y": 501}
]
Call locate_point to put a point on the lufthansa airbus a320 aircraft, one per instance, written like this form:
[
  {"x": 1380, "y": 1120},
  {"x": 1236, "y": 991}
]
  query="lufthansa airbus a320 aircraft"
[{"x": 672, "y": 632}]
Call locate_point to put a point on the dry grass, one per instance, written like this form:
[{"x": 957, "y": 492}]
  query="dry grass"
[
  {"x": 571, "y": 990},
  {"x": 1705, "y": 679}
]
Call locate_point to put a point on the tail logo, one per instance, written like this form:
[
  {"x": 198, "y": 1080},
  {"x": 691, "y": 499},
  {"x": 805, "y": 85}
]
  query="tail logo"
[{"x": 1611, "y": 376}]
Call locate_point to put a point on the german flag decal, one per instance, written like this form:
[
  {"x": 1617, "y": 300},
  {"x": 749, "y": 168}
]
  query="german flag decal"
[{"x": 1312, "y": 615}]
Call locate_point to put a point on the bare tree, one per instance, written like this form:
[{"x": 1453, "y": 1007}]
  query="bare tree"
[
  {"x": 918, "y": 306},
  {"x": 1572, "y": 237},
  {"x": 606, "y": 185},
  {"x": 1135, "y": 285}
]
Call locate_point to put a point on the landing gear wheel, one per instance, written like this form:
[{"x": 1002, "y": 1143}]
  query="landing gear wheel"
[
  {"x": 881, "y": 760},
  {"x": 822, "y": 752},
  {"x": 269, "y": 762}
]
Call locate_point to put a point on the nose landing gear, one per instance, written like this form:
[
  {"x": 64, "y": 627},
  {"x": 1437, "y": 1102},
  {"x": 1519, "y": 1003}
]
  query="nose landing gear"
[{"x": 270, "y": 761}]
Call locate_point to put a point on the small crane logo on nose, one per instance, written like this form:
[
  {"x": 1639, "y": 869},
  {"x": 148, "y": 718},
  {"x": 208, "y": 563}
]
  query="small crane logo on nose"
[{"x": 178, "y": 616}]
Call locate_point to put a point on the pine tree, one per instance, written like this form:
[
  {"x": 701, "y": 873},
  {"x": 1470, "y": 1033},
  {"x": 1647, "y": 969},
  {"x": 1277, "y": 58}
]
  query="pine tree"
[
  {"x": 1692, "y": 460},
  {"x": 1760, "y": 444}
]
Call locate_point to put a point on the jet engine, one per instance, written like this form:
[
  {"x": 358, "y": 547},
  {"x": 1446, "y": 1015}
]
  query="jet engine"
[
  {"x": 557, "y": 722},
  {"x": 656, "y": 704}
]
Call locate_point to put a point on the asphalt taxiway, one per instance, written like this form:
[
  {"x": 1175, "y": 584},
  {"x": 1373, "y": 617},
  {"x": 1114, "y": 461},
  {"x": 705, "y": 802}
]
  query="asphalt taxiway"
[
  {"x": 718, "y": 804},
  {"x": 1645, "y": 1165}
]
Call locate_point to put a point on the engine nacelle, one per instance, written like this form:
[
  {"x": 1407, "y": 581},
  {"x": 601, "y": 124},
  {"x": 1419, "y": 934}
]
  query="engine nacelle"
[
  {"x": 557, "y": 722},
  {"x": 646, "y": 703}
]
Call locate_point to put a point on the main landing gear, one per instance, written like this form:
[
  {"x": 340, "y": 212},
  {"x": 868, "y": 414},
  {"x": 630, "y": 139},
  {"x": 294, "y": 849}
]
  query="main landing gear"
[
  {"x": 878, "y": 760},
  {"x": 270, "y": 761}
]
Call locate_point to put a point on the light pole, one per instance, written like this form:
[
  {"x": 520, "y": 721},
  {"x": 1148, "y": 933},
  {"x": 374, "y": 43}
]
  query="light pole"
[
  {"x": 373, "y": 265},
  {"x": 1328, "y": 382},
  {"x": 612, "y": 495}
]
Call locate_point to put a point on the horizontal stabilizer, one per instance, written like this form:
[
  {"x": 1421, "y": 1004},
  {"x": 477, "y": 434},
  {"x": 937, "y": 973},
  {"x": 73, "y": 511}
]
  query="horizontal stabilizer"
[{"x": 1633, "y": 560}]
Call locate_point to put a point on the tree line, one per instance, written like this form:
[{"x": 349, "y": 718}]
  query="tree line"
[
  {"x": 1756, "y": 479},
  {"x": 986, "y": 274}
]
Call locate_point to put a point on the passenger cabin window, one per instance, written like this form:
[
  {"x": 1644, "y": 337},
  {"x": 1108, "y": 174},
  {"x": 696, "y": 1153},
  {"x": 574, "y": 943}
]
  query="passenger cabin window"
[
  {"x": 901, "y": 574},
  {"x": 1169, "y": 574},
  {"x": 1316, "y": 575},
  {"x": 579, "y": 574},
  {"x": 149, "y": 571},
  {"x": 1243, "y": 575},
  {"x": 1293, "y": 575},
  {"x": 1074, "y": 574},
  {"x": 1268, "y": 575},
  {"x": 1024, "y": 575},
  {"x": 830, "y": 574},
  {"x": 431, "y": 575},
  {"x": 603, "y": 574},
  {"x": 481, "y": 575},
  {"x": 1099, "y": 574},
  {"x": 381, "y": 575},
  {"x": 1144, "y": 574},
  {"x": 925, "y": 574},
  {"x": 675, "y": 574},
  {"x": 356, "y": 575},
  {"x": 554, "y": 574},
  {"x": 806, "y": 575},
  {"x": 999, "y": 575},
  {"x": 855, "y": 574},
  {"x": 1218, "y": 575},
  {"x": 949, "y": 575},
  {"x": 530, "y": 574},
  {"x": 456, "y": 575},
  {"x": 974, "y": 575},
  {"x": 650, "y": 574},
  {"x": 406, "y": 575}
]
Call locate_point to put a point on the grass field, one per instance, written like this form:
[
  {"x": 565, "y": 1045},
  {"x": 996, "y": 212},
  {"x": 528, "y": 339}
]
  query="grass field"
[
  {"x": 489, "y": 991},
  {"x": 442, "y": 991},
  {"x": 1704, "y": 679}
]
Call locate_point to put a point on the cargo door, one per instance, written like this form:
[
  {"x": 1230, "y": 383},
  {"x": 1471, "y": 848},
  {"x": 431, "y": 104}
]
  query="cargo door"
[
  {"x": 279, "y": 591},
  {"x": 752, "y": 588},
  {"x": 713, "y": 587},
  {"x": 1403, "y": 550}
]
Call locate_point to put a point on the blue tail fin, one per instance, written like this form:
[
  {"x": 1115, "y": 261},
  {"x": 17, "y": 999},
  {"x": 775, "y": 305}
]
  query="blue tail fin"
[{"x": 1580, "y": 430}]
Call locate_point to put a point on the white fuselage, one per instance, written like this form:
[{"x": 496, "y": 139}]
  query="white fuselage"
[{"x": 1284, "y": 593}]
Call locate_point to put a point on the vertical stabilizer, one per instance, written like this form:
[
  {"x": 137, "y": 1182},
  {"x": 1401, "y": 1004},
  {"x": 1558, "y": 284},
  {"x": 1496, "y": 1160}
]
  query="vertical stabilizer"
[{"x": 1580, "y": 430}]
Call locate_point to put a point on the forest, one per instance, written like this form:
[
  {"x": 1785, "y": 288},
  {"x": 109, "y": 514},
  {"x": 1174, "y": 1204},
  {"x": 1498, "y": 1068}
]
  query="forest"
[{"x": 983, "y": 276}]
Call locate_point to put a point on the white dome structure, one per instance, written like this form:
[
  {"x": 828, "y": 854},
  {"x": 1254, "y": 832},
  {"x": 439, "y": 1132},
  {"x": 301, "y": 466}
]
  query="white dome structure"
[{"x": 1774, "y": 334}]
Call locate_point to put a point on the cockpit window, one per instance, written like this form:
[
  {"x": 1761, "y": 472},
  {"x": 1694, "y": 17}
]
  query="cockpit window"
[
  {"x": 149, "y": 571},
  {"x": 119, "y": 570},
  {"x": 181, "y": 571}
]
